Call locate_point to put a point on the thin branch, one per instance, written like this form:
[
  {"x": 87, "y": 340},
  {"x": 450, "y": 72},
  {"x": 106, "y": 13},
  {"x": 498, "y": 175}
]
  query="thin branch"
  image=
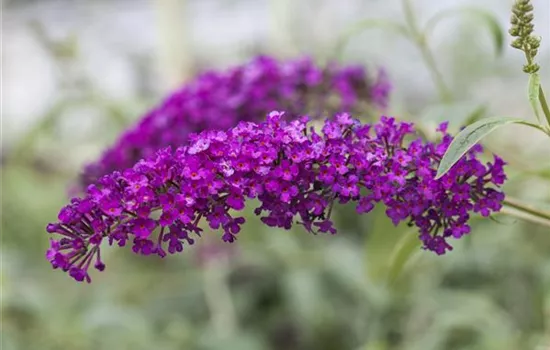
[
  {"x": 526, "y": 208},
  {"x": 524, "y": 216}
]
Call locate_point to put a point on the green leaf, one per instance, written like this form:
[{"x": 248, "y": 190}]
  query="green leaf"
[
  {"x": 371, "y": 23},
  {"x": 533, "y": 93},
  {"x": 471, "y": 135},
  {"x": 482, "y": 16}
]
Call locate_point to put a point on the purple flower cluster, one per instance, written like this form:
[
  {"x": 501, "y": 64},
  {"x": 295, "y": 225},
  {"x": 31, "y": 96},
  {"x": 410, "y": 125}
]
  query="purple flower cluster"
[
  {"x": 219, "y": 100},
  {"x": 294, "y": 172}
]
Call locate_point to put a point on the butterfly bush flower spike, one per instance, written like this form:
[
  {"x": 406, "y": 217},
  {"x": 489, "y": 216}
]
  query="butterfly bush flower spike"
[
  {"x": 296, "y": 174},
  {"x": 220, "y": 99}
]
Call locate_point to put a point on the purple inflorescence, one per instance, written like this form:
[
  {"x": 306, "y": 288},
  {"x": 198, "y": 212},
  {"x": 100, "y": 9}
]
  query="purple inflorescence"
[
  {"x": 296, "y": 173},
  {"x": 219, "y": 100}
]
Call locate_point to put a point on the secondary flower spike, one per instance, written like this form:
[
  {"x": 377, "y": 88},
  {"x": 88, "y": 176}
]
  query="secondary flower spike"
[
  {"x": 220, "y": 99},
  {"x": 295, "y": 172}
]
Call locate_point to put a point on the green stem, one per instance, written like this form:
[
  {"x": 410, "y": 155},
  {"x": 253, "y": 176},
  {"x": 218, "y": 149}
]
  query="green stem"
[
  {"x": 544, "y": 105},
  {"x": 410, "y": 17},
  {"x": 427, "y": 55},
  {"x": 524, "y": 216},
  {"x": 526, "y": 208},
  {"x": 444, "y": 92}
]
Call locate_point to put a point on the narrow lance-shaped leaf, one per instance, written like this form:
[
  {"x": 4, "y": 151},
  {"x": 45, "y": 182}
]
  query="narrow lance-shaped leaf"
[{"x": 471, "y": 135}]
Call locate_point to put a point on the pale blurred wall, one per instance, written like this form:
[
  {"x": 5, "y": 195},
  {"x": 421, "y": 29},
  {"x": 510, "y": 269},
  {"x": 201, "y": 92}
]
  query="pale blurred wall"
[{"x": 123, "y": 48}]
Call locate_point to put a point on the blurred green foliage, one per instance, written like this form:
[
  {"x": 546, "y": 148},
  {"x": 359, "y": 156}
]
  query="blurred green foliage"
[{"x": 273, "y": 289}]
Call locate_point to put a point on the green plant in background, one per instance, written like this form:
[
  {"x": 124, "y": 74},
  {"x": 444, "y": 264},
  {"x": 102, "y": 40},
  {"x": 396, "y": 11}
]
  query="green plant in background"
[{"x": 412, "y": 31}]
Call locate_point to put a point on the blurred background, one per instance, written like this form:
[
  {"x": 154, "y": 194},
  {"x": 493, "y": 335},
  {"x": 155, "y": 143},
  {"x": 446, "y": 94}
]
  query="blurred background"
[{"x": 77, "y": 73}]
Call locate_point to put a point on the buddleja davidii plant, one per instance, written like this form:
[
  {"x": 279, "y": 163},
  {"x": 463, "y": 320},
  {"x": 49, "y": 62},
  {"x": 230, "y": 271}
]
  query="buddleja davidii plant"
[{"x": 295, "y": 172}]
